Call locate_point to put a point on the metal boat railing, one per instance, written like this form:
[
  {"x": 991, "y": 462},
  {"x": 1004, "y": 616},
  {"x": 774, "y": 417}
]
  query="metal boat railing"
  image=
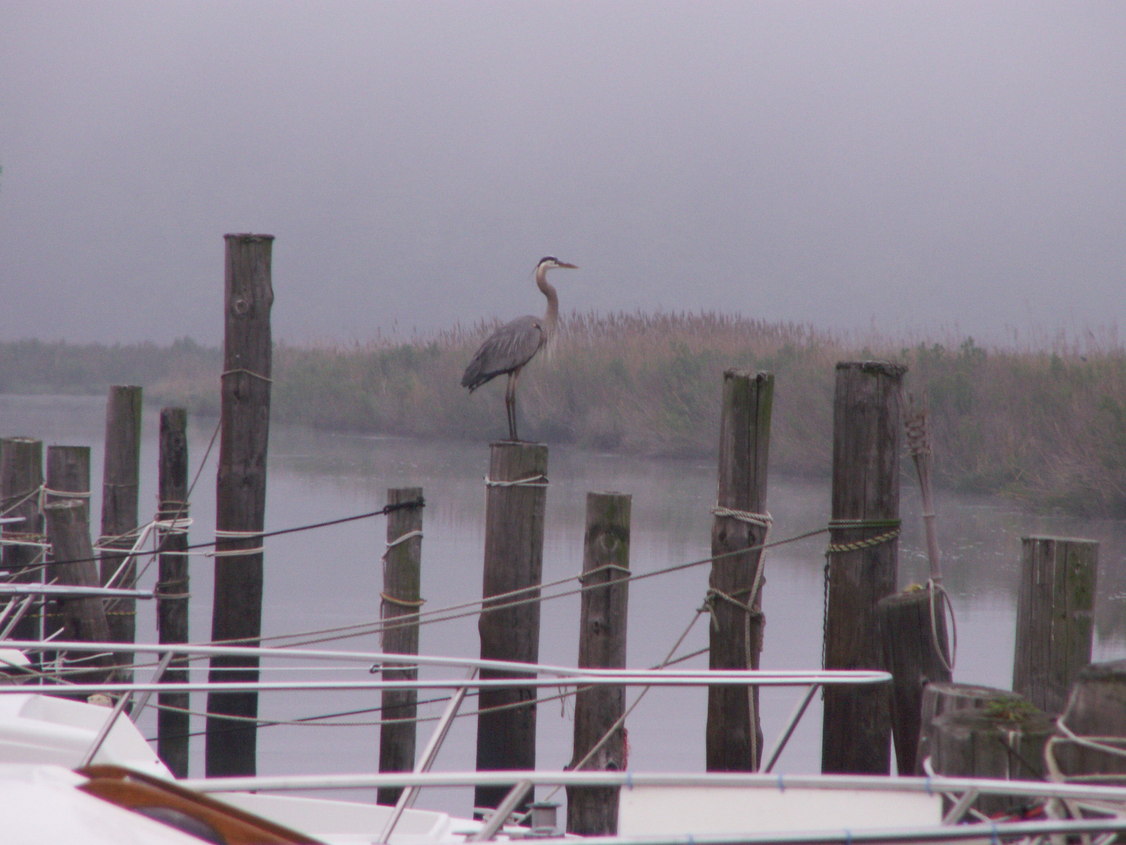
[
  {"x": 517, "y": 674},
  {"x": 21, "y": 596},
  {"x": 521, "y": 675},
  {"x": 520, "y": 782}
]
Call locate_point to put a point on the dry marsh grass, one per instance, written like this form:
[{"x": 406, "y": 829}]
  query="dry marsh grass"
[
  {"x": 1041, "y": 419},
  {"x": 1045, "y": 424}
]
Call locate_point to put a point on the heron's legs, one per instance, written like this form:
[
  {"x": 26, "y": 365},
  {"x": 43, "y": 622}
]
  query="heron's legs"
[{"x": 510, "y": 404}]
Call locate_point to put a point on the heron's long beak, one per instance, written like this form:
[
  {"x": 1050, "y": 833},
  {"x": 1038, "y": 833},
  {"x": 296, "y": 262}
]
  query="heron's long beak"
[{"x": 568, "y": 266}]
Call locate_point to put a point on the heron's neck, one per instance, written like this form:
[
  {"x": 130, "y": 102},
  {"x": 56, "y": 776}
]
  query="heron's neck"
[{"x": 552, "y": 316}]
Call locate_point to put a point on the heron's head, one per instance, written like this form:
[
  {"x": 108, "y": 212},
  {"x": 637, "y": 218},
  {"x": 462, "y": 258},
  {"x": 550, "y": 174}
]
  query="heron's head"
[{"x": 551, "y": 262}]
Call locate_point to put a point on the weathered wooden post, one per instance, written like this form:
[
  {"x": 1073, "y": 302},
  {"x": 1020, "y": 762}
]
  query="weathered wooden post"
[
  {"x": 516, "y": 496},
  {"x": 1003, "y": 740},
  {"x": 68, "y": 478},
  {"x": 600, "y": 736},
  {"x": 241, "y": 498},
  {"x": 1091, "y": 738},
  {"x": 68, "y": 474},
  {"x": 862, "y": 560},
  {"x": 172, "y": 720},
  {"x": 1055, "y": 618},
  {"x": 72, "y": 555},
  {"x": 912, "y": 628},
  {"x": 940, "y": 697},
  {"x": 401, "y": 600},
  {"x": 734, "y": 730},
  {"x": 120, "y": 481},
  {"x": 21, "y": 477}
]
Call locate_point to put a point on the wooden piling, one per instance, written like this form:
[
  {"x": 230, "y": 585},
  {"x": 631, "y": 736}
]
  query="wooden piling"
[
  {"x": 1092, "y": 729},
  {"x": 862, "y": 560},
  {"x": 600, "y": 735},
  {"x": 120, "y": 480},
  {"x": 941, "y": 697},
  {"x": 913, "y": 635},
  {"x": 1005, "y": 740},
  {"x": 402, "y": 599},
  {"x": 516, "y": 495},
  {"x": 734, "y": 730},
  {"x": 172, "y": 720},
  {"x": 68, "y": 474},
  {"x": 241, "y": 498},
  {"x": 21, "y": 476},
  {"x": 1055, "y": 617},
  {"x": 72, "y": 562}
]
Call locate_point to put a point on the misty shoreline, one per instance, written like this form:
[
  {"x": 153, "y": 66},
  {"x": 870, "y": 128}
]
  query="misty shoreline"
[{"x": 1044, "y": 427}]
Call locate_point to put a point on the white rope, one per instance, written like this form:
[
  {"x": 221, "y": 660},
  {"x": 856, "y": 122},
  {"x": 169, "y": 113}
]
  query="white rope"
[
  {"x": 939, "y": 598},
  {"x": 410, "y": 535},
  {"x": 235, "y": 552},
  {"x": 761, "y": 520},
  {"x": 66, "y": 494},
  {"x": 244, "y": 371},
  {"x": 45, "y": 491},
  {"x": 229, "y": 534},
  {"x": 530, "y": 481},
  {"x": 1107, "y": 744},
  {"x": 176, "y": 525}
]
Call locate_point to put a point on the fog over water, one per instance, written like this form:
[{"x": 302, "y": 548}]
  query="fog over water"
[
  {"x": 927, "y": 168},
  {"x": 320, "y": 580}
]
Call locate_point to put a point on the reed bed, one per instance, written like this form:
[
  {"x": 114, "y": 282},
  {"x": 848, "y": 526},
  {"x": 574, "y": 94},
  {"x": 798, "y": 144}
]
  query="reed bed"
[{"x": 1043, "y": 422}]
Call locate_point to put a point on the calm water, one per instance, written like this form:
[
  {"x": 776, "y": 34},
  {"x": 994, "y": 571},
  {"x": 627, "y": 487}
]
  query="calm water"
[{"x": 327, "y": 578}]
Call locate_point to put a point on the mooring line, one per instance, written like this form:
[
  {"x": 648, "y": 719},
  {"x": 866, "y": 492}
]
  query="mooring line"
[
  {"x": 328, "y": 523},
  {"x": 504, "y": 601},
  {"x": 510, "y": 599}
]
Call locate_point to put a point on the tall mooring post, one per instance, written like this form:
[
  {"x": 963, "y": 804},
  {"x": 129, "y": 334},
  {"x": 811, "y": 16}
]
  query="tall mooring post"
[
  {"x": 399, "y": 608},
  {"x": 21, "y": 477},
  {"x": 734, "y": 730},
  {"x": 172, "y": 720},
  {"x": 600, "y": 734},
  {"x": 516, "y": 496},
  {"x": 241, "y": 499},
  {"x": 1055, "y": 618},
  {"x": 120, "y": 481},
  {"x": 862, "y": 560}
]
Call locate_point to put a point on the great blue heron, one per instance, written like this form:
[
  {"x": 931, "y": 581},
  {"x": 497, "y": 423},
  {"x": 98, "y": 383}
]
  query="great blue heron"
[{"x": 514, "y": 344}]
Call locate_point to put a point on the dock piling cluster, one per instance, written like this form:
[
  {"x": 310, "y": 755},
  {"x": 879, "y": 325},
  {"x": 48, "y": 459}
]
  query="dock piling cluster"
[{"x": 867, "y": 624}]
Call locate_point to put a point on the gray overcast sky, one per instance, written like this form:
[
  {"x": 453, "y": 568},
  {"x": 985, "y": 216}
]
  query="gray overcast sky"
[{"x": 922, "y": 166}]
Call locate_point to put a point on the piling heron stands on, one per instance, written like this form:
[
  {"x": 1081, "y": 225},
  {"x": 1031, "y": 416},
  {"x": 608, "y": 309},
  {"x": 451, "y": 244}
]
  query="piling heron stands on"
[{"x": 514, "y": 344}]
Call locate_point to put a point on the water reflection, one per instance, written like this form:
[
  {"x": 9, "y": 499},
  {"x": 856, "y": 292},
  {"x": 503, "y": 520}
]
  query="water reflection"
[{"x": 329, "y": 578}]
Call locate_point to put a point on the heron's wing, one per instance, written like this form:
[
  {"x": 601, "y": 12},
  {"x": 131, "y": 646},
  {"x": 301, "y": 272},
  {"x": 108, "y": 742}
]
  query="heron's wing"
[{"x": 508, "y": 348}]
